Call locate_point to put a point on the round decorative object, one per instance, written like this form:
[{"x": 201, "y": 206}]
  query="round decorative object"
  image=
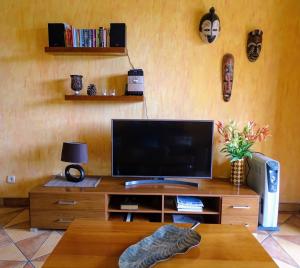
[
  {"x": 92, "y": 90},
  {"x": 237, "y": 176},
  {"x": 209, "y": 27},
  {"x": 76, "y": 83},
  {"x": 72, "y": 178}
]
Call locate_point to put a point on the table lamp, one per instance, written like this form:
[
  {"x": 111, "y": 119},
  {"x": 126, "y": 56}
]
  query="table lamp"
[{"x": 74, "y": 152}]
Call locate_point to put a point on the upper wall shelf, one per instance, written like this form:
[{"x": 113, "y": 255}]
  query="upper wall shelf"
[
  {"x": 101, "y": 51},
  {"x": 105, "y": 98}
]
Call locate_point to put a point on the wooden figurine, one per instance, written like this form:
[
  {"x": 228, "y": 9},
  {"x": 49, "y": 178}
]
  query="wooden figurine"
[
  {"x": 254, "y": 43},
  {"x": 227, "y": 75}
]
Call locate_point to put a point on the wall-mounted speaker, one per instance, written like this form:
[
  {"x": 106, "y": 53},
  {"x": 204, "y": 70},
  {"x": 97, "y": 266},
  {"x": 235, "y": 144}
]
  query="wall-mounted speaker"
[
  {"x": 56, "y": 34},
  {"x": 117, "y": 35}
]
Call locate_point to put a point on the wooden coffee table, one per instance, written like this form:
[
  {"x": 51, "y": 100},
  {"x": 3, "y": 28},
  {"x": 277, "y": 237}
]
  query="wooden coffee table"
[{"x": 92, "y": 243}]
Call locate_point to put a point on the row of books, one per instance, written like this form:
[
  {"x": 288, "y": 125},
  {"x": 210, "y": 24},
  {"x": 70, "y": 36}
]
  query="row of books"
[
  {"x": 189, "y": 203},
  {"x": 86, "y": 37}
]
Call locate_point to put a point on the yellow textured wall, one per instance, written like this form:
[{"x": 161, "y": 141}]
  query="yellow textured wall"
[{"x": 182, "y": 74}]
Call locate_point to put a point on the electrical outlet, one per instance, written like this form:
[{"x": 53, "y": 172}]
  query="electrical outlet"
[{"x": 11, "y": 179}]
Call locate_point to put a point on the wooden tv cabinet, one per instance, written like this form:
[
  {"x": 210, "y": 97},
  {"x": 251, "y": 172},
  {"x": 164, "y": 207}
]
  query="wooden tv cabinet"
[{"x": 57, "y": 207}]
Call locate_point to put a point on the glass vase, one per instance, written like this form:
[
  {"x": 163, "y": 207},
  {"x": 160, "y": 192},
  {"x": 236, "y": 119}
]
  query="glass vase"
[{"x": 76, "y": 83}]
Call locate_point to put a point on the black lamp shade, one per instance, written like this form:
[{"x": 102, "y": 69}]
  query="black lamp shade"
[{"x": 74, "y": 152}]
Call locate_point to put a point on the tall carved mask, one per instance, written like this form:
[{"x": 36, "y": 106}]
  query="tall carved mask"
[
  {"x": 227, "y": 73},
  {"x": 209, "y": 26},
  {"x": 254, "y": 44}
]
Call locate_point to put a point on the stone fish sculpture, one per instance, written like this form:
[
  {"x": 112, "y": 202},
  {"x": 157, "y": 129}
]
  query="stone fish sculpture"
[{"x": 164, "y": 243}]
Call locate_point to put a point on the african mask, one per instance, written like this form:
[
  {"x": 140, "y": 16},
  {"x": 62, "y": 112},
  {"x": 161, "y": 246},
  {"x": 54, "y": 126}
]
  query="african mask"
[
  {"x": 254, "y": 44},
  {"x": 227, "y": 75},
  {"x": 209, "y": 26}
]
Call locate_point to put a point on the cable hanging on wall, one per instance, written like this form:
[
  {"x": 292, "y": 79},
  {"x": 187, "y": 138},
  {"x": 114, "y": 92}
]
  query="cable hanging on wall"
[{"x": 130, "y": 62}]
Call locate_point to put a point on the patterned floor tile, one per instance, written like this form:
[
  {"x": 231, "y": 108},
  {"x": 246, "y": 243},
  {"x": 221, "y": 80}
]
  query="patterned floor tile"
[
  {"x": 29, "y": 265},
  {"x": 4, "y": 238},
  {"x": 260, "y": 236},
  {"x": 7, "y": 214},
  {"x": 37, "y": 264},
  {"x": 11, "y": 253},
  {"x": 274, "y": 249},
  {"x": 290, "y": 227},
  {"x": 48, "y": 245},
  {"x": 42, "y": 258},
  {"x": 12, "y": 264},
  {"x": 31, "y": 245},
  {"x": 283, "y": 217},
  {"x": 283, "y": 264},
  {"x": 292, "y": 238},
  {"x": 20, "y": 221},
  {"x": 21, "y": 234},
  {"x": 291, "y": 248}
]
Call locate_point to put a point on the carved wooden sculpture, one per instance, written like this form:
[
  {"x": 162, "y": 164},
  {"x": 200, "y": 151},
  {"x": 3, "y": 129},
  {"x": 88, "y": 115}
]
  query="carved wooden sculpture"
[
  {"x": 209, "y": 27},
  {"x": 227, "y": 75},
  {"x": 254, "y": 43}
]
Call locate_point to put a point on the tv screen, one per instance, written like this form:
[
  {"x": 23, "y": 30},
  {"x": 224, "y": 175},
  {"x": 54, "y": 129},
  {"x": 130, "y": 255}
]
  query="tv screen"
[{"x": 162, "y": 148}]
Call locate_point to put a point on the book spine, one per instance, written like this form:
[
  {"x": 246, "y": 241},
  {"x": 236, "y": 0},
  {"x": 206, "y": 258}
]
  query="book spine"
[
  {"x": 107, "y": 37},
  {"x": 94, "y": 38},
  {"x": 91, "y": 38},
  {"x": 97, "y": 38},
  {"x": 68, "y": 35},
  {"x": 101, "y": 36},
  {"x": 78, "y": 37},
  {"x": 74, "y": 37},
  {"x": 104, "y": 37},
  {"x": 86, "y": 37},
  {"x": 81, "y": 37}
]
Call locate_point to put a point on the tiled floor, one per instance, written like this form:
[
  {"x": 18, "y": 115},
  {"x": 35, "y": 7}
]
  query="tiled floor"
[{"x": 21, "y": 248}]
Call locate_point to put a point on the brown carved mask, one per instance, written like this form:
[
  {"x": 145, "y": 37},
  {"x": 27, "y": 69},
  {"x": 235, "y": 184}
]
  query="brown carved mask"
[
  {"x": 227, "y": 73},
  {"x": 254, "y": 44}
]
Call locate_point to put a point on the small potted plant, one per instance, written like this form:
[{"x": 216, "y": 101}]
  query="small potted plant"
[{"x": 237, "y": 144}]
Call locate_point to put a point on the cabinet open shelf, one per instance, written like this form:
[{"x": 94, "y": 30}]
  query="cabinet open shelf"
[
  {"x": 101, "y": 51},
  {"x": 122, "y": 98},
  {"x": 141, "y": 209},
  {"x": 205, "y": 211}
]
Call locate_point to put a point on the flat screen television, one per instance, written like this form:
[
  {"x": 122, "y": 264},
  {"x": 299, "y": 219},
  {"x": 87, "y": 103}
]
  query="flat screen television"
[{"x": 162, "y": 148}]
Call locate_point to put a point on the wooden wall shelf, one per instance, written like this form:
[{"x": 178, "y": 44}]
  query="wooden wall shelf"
[
  {"x": 104, "y": 98},
  {"x": 101, "y": 51}
]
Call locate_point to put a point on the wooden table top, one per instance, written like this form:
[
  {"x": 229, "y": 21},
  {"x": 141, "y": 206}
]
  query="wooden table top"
[{"x": 92, "y": 243}]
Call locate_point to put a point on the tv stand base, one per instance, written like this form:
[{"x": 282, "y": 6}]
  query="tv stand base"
[{"x": 160, "y": 181}]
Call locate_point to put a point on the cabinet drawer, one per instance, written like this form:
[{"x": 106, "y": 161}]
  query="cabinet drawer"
[
  {"x": 248, "y": 221},
  {"x": 61, "y": 219},
  {"x": 66, "y": 201},
  {"x": 239, "y": 206}
]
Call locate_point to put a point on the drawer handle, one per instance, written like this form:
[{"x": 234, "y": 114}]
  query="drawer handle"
[
  {"x": 66, "y": 202},
  {"x": 246, "y": 224},
  {"x": 239, "y": 206},
  {"x": 64, "y": 221}
]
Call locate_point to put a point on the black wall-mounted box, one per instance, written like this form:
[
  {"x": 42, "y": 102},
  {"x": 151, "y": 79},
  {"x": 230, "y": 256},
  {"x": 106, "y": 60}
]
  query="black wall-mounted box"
[
  {"x": 117, "y": 35},
  {"x": 56, "y": 34}
]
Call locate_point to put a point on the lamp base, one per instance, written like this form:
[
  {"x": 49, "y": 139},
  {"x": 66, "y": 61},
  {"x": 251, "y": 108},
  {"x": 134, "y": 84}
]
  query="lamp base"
[{"x": 72, "y": 178}]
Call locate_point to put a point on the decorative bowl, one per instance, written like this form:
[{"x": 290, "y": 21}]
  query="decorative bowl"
[{"x": 164, "y": 243}]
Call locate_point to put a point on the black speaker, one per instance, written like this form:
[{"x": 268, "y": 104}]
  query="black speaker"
[
  {"x": 117, "y": 35},
  {"x": 56, "y": 34}
]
